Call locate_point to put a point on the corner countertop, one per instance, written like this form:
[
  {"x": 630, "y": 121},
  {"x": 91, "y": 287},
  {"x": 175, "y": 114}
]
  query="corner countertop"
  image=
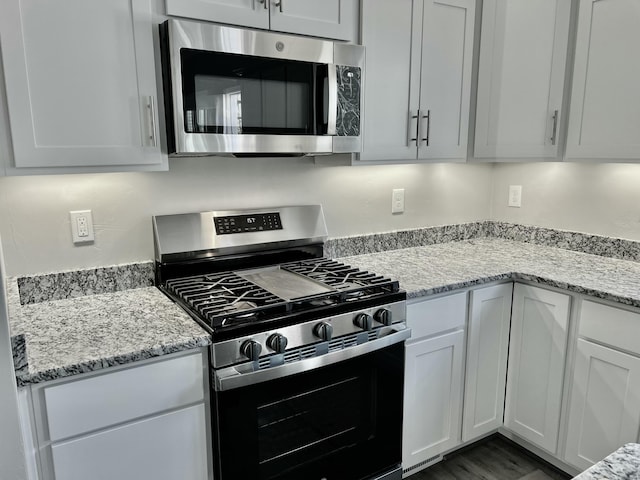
[
  {"x": 92, "y": 332},
  {"x": 623, "y": 464},
  {"x": 450, "y": 266}
]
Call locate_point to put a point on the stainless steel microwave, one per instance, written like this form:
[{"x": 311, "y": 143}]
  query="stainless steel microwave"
[{"x": 248, "y": 92}]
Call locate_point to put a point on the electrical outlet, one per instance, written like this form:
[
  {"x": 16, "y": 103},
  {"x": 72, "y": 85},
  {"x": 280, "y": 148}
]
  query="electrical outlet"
[
  {"x": 397, "y": 200},
  {"x": 81, "y": 226},
  {"x": 515, "y": 196}
]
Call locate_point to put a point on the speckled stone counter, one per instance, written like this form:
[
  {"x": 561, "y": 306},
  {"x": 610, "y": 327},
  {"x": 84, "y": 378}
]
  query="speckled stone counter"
[
  {"x": 623, "y": 464},
  {"x": 72, "y": 322},
  {"x": 450, "y": 266},
  {"x": 77, "y": 335}
]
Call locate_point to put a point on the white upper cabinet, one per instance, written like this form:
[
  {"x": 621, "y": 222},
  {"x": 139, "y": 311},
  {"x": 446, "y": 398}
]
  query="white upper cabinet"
[
  {"x": 523, "y": 53},
  {"x": 605, "y": 101},
  {"x": 326, "y": 18},
  {"x": 249, "y": 13},
  {"x": 388, "y": 79},
  {"x": 81, "y": 84},
  {"x": 418, "y": 79},
  {"x": 445, "y": 80}
]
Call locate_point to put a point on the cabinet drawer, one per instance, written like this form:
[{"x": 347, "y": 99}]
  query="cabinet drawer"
[
  {"x": 429, "y": 317},
  {"x": 609, "y": 325},
  {"x": 92, "y": 403}
]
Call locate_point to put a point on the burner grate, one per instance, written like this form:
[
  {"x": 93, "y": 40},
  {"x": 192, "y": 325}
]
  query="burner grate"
[
  {"x": 223, "y": 298},
  {"x": 351, "y": 282},
  {"x": 228, "y": 298}
]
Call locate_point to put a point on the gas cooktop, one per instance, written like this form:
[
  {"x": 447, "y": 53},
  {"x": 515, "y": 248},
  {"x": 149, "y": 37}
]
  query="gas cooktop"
[{"x": 279, "y": 294}]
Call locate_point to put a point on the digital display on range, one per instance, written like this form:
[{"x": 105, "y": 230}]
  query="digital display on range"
[{"x": 258, "y": 222}]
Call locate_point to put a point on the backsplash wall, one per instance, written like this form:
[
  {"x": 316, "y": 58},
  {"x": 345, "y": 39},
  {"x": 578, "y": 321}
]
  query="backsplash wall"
[
  {"x": 36, "y": 234},
  {"x": 596, "y": 198}
]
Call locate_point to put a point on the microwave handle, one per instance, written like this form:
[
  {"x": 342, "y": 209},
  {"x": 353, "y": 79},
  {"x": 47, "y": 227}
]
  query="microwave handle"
[
  {"x": 151, "y": 111},
  {"x": 332, "y": 113}
]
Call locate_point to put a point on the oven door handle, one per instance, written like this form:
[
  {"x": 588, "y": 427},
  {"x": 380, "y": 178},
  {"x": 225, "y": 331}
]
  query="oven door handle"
[{"x": 233, "y": 377}]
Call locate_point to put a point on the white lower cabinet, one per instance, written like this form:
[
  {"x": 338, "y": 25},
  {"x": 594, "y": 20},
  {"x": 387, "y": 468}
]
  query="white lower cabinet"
[
  {"x": 433, "y": 379},
  {"x": 147, "y": 420},
  {"x": 164, "y": 447},
  {"x": 521, "y": 390},
  {"x": 487, "y": 349},
  {"x": 537, "y": 353},
  {"x": 604, "y": 411}
]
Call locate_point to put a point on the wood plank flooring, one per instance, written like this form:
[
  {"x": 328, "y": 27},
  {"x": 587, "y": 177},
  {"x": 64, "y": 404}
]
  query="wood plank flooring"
[{"x": 496, "y": 458}]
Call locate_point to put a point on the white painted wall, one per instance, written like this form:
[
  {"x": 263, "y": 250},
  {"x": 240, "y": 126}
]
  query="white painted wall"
[
  {"x": 598, "y": 198},
  {"x": 34, "y": 223},
  {"x": 34, "y": 219},
  {"x": 12, "y": 465}
]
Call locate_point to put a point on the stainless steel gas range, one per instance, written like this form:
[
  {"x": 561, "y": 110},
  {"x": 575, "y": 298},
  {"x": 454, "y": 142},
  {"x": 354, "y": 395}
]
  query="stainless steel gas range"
[{"x": 307, "y": 361}]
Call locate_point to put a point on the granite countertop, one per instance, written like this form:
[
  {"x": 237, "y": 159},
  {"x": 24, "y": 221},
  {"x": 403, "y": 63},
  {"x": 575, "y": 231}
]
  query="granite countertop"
[
  {"x": 449, "y": 266},
  {"x": 77, "y": 322},
  {"x": 92, "y": 332},
  {"x": 623, "y": 464}
]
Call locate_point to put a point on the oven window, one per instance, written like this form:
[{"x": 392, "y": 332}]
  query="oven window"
[
  {"x": 341, "y": 422},
  {"x": 240, "y": 94},
  {"x": 313, "y": 424}
]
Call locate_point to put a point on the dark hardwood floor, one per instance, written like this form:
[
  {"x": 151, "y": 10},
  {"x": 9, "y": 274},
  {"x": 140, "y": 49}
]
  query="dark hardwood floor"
[{"x": 496, "y": 458}]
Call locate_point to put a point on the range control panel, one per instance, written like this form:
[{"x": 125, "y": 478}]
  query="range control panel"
[{"x": 258, "y": 222}]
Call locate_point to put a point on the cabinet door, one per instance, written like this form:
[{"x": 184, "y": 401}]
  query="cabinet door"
[
  {"x": 326, "y": 18},
  {"x": 604, "y": 412},
  {"x": 447, "y": 56},
  {"x": 248, "y": 13},
  {"x": 166, "y": 447},
  {"x": 523, "y": 53},
  {"x": 537, "y": 353},
  {"x": 432, "y": 397},
  {"x": 605, "y": 100},
  {"x": 487, "y": 347},
  {"x": 391, "y": 85},
  {"x": 80, "y": 81}
]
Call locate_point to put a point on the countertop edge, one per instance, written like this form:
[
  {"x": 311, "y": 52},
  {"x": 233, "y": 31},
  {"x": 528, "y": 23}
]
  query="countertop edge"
[{"x": 24, "y": 379}]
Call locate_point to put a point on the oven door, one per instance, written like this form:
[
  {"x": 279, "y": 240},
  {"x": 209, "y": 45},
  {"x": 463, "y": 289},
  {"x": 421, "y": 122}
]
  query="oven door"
[{"x": 341, "y": 421}]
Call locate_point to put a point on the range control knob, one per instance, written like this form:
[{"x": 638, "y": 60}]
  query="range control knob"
[
  {"x": 251, "y": 349},
  {"x": 277, "y": 342},
  {"x": 383, "y": 316},
  {"x": 364, "y": 321},
  {"x": 323, "y": 330}
]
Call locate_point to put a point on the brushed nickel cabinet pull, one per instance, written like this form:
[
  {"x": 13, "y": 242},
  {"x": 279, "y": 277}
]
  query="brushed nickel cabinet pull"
[
  {"x": 264, "y": 4},
  {"x": 555, "y": 127},
  {"x": 278, "y": 4},
  {"x": 151, "y": 109}
]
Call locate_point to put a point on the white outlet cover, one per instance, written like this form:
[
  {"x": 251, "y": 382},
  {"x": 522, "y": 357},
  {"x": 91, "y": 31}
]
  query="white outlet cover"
[
  {"x": 397, "y": 200},
  {"x": 515, "y": 196},
  {"x": 81, "y": 227}
]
